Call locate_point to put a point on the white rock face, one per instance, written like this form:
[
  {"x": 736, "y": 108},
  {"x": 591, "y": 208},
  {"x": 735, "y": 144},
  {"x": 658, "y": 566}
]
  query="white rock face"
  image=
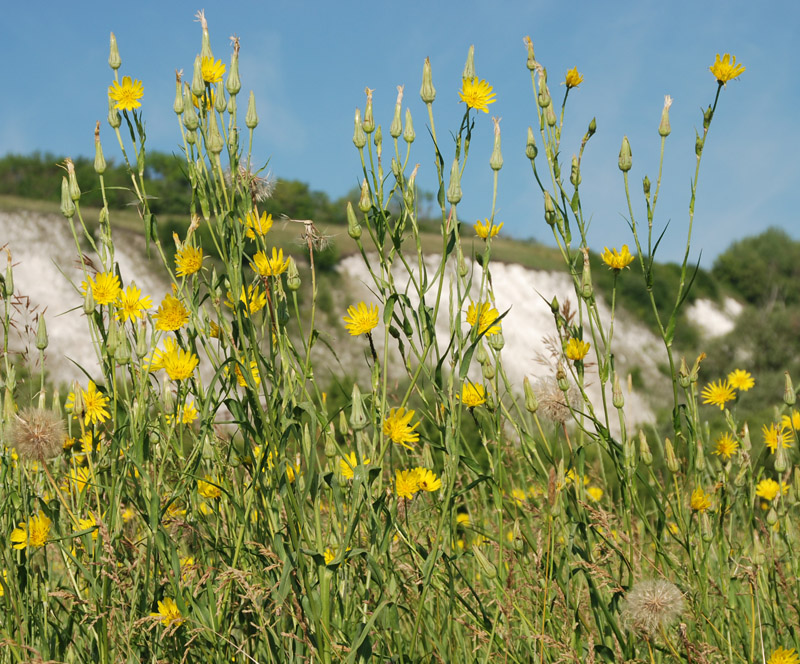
[{"x": 712, "y": 320}]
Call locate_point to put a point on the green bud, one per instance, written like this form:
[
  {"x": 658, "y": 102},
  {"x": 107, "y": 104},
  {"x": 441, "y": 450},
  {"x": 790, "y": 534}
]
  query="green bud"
[
  {"x": 74, "y": 189},
  {"x": 8, "y": 280},
  {"x": 251, "y": 118},
  {"x": 469, "y": 67},
  {"x": 427, "y": 92},
  {"x": 481, "y": 355},
  {"x": 646, "y": 186},
  {"x": 747, "y": 445},
  {"x": 699, "y": 456},
  {"x": 488, "y": 371},
  {"x": 759, "y": 555},
  {"x": 554, "y": 306},
  {"x": 625, "y": 156},
  {"x": 741, "y": 477},
  {"x": 365, "y": 202},
  {"x": 214, "y": 141},
  {"x": 463, "y": 270},
  {"x": 561, "y": 378},
  {"x": 530, "y": 147},
  {"x": 233, "y": 140},
  {"x": 359, "y": 137},
  {"x": 330, "y": 439},
  {"x": 485, "y": 564},
  {"x": 549, "y": 209},
  {"x": 378, "y": 139},
  {"x": 67, "y": 204},
  {"x": 617, "y": 398},
  {"x": 496, "y": 161},
  {"x": 358, "y": 418},
  {"x": 369, "y": 122},
  {"x": 114, "y": 120},
  {"x": 586, "y": 277},
  {"x": 629, "y": 454},
  {"x": 672, "y": 460},
  {"x": 219, "y": 99},
  {"x": 232, "y": 107},
  {"x": 550, "y": 116},
  {"x": 707, "y": 533},
  {"x": 112, "y": 338},
  {"x": 454, "y": 190},
  {"x": 396, "y": 128},
  {"x": 233, "y": 84},
  {"x": 531, "y": 62},
  {"x": 408, "y": 128},
  {"x": 177, "y": 105},
  {"x": 205, "y": 50},
  {"x": 198, "y": 86},
  {"x": 88, "y": 302},
  {"x": 683, "y": 374},
  {"x": 190, "y": 119},
  {"x": 544, "y": 98},
  {"x": 664, "y": 128},
  {"x": 353, "y": 227},
  {"x": 708, "y": 114},
  {"x": 497, "y": 341},
  {"x": 644, "y": 450},
  {"x": 592, "y": 127},
  {"x": 789, "y": 395},
  {"x": 292, "y": 276},
  {"x": 531, "y": 402},
  {"x": 123, "y": 354},
  {"x": 142, "y": 347},
  {"x": 772, "y": 516},
  {"x": 781, "y": 463},
  {"x": 41, "y": 334},
  {"x": 575, "y": 172},
  {"x": 99, "y": 159},
  {"x": 114, "y": 61},
  {"x": 698, "y": 145}
]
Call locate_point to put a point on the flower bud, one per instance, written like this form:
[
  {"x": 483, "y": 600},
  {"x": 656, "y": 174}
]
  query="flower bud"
[
  {"x": 365, "y": 202},
  {"x": 292, "y": 275},
  {"x": 88, "y": 302},
  {"x": 469, "y": 66},
  {"x": 251, "y": 118},
  {"x": 408, "y": 128},
  {"x": 8, "y": 280},
  {"x": 114, "y": 120},
  {"x": 358, "y": 418},
  {"x": 190, "y": 119},
  {"x": 550, "y": 116},
  {"x": 142, "y": 347},
  {"x": 232, "y": 105},
  {"x": 706, "y": 531},
  {"x": 781, "y": 463},
  {"x": 67, "y": 204},
  {"x": 592, "y": 127},
  {"x": 625, "y": 156},
  {"x": 586, "y": 277},
  {"x": 99, "y": 160},
  {"x": 646, "y": 186},
  {"x": 233, "y": 84},
  {"x": 698, "y": 145},
  {"x": 427, "y": 92},
  {"x": 214, "y": 141},
  {"x": 488, "y": 371},
  {"x": 485, "y": 564},
  {"x": 123, "y": 354},
  {"x": 683, "y": 374},
  {"x": 497, "y": 341},
  {"x": 554, "y": 306},
  {"x": 561, "y": 378},
  {"x": 219, "y": 99},
  {"x": 629, "y": 454},
  {"x": 112, "y": 338},
  {"x": 663, "y": 127},
  {"x": 543, "y": 98},
  {"x": 549, "y": 209},
  {"x": 114, "y": 61},
  {"x": 672, "y": 460},
  {"x": 644, "y": 450},
  {"x": 496, "y": 161},
  {"x": 396, "y": 128},
  {"x": 575, "y": 172},
  {"x": 454, "y": 190},
  {"x": 369, "y": 122},
  {"x": 531, "y": 62},
  {"x": 530, "y": 147},
  {"x": 699, "y": 456},
  {"x": 359, "y": 137},
  {"x": 747, "y": 445},
  {"x": 531, "y": 402},
  {"x": 789, "y": 395},
  {"x": 198, "y": 86},
  {"x": 463, "y": 270},
  {"x": 772, "y": 516},
  {"x": 759, "y": 555},
  {"x": 617, "y": 398},
  {"x": 708, "y": 114},
  {"x": 41, "y": 334},
  {"x": 353, "y": 227},
  {"x": 378, "y": 139},
  {"x": 177, "y": 105},
  {"x": 481, "y": 356}
]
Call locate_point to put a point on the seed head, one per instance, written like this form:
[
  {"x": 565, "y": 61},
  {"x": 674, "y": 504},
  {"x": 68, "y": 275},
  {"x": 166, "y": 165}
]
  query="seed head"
[
  {"x": 651, "y": 606},
  {"x": 37, "y": 434},
  {"x": 554, "y": 402}
]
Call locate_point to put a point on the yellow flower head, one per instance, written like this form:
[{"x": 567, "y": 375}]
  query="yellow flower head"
[
  {"x": 791, "y": 421},
  {"x": 253, "y": 299},
  {"x": 126, "y": 95},
  {"x": 85, "y": 524},
  {"x": 361, "y": 319},
  {"x": 473, "y": 395},
  {"x": 427, "y": 480},
  {"x": 186, "y": 414},
  {"x": 105, "y": 287},
  {"x": 94, "y": 405},
  {"x": 487, "y": 229},
  {"x": 573, "y": 78},
  {"x": 783, "y": 656},
  {"x": 397, "y": 427},
  {"x": 257, "y": 225},
  {"x": 212, "y": 70},
  {"x": 776, "y": 434},
  {"x": 254, "y": 374},
  {"x": 768, "y": 489},
  {"x": 208, "y": 487},
  {"x": 270, "y": 267},
  {"x": 718, "y": 393},
  {"x": 617, "y": 260},
  {"x": 726, "y": 69},
  {"x": 726, "y": 446},
  {"x": 178, "y": 363},
  {"x": 188, "y": 260},
  {"x": 33, "y": 534},
  {"x": 171, "y": 315},
  {"x": 80, "y": 478},
  {"x": 168, "y": 613},
  {"x": 741, "y": 380},
  {"x": 406, "y": 483},
  {"x": 700, "y": 500},
  {"x": 476, "y": 94},
  {"x": 595, "y": 493},
  {"x": 487, "y": 319},
  {"x": 348, "y": 463},
  {"x": 205, "y": 101},
  {"x": 131, "y": 305},
  {"x": 576, "y": 349}
]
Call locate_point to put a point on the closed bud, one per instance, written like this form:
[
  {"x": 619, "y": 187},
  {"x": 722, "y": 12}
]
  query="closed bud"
[
  {"x": 233, "y": 140},
  {"x": 142, "y": 347},
  {"x": 699, "y": 456},
  {"x": 463, "y": 270},
  {"x": 772, "y": 516},
  {"x": 365, "y": 202},
  {"x": 617, "y": 398},
  {"x": 112, "y": 338},
  {"x": 789, "y": 395},
  {"x": 123, "y": 354},
  {"x": 683, "y": 374},
  {"x": 114, "y": 120},
  {"x": 708, "y": 114},
  {"x": 219, "y": 99},
  {"x": 8, "y": 279},
  {"x": 396, "y": 128},
  {"x": 408, "y": 128},
  {"x": 554, "y": 306},
  {"x": 190, "y": 119},
  {"x": 214, "y": 141},
  {"x": 359, "y": 137},
  {"x": 353, "y": 227},
  {"x": 88, "y": 302},
  {"x": 358, "y": 418},
  {"x": 497, "y": 341},
  {"x": 330, "y": 439},
  {"x": 378, "y": 139},
  {"x": 669, "y": 453},
  {"x": 233, "y": 84},
  {"x": 99, "y": 159},
  {"x": 796, "y": 482},
  {"x": 549, "y": 209},
  {"x": 198, "y": 86},
  {"x": 629, "y": 454},
  {"x": 644, "y": 450},
  {"x": 114, "y": 61},
  {"x": 592, "y": 127},
  {"x": 543, "y": 98},
  {"x": 698, "y": 145},
  {"x": 369, "y": 122},
  {"x": 531, "y": 62},
  {"x": 251, "y": 118},
  {"x": 177, "y": 105},
  {"x": 496, "y": 161},
  {"x": 488, "y": 371},
  {"x": 485, "y": 564},
  {"x": 646, "y": 186},
  {"x": 706, "y": 531},
  {"x": 427, "y": 92},
  {"x": 575, "y": 172},
  {"x": 586, "y": 277},
  {"x": 550, "y": 116},
  {"x": 759, "y": 555},
  {"x": 781, "y": 463},
  {"x": 292, "y": 275},
  {"x": 41, "y": 333},
  {"x": 747, "y": 445},
  {"x": 67, "y": 204},
  {"x": 531, "y": 402},
  {"x": 561, "y": 378},
  {"x": 454, "y": 189},
  {"x": 469, "y": 66},
  {"x": 232, "y": 107},
  {"x": 741, "y": 477},
  {"x": 625, "y": 156},
  {"x": 481, "y": 355},
  {"x": 530, "y": 146},
  {"x": 663, "y": 127}
]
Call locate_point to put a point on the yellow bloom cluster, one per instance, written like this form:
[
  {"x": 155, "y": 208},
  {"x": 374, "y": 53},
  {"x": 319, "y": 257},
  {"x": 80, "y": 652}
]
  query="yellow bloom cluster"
[{"x": 409, "y": 482}]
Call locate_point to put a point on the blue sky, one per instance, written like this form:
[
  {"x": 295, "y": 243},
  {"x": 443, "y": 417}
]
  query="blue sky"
[{"x": 308, "y": 64}]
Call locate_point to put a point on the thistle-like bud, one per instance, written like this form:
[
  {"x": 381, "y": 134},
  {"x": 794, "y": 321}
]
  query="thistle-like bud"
[
  {"x": 617, "y": 398},
  {"x": 698, "y": 145},
  {"x": 396, "y": 128},
  {"x": 496, "y": 161},
  {"x": 123, "y": 354},
  {"x": 469, "y": 66},
  {"x": 114, "y": 120},
  {"x": 219, "y": 99},
  {"x": 699, "y": 456},
  {"x": 592, "y": 127},
  {"x": 481, "y": 356},
  {"x": 369, "y": 121},
  {"x": 550, "y": 116},
  {"x": 708, "y": 114},
  {"x": 644, "y": 450},
  {"x": 683, "y": 374},
  {"x": 554, "y": 306},
  {"x": 205, "y": 49},
  {"x": 772, "y": 516},
  {"x": 88, "y": 302},
  {"x": 359, "y": 137},
  {"x": 625, "y": 156},
  {"x": 549, "y": 209},
  {"x": 114, "y": 61},
  {"x": 233, "y": 84},
  {"x": 142, "y": 347},
  {"x": 531, "y": 402},
  {"x": 177, "y": 105},
  {"x": 67, "y": 204},
  {"x": 232, "y": 107},
  {"x": 427, "y": 92},
  {"x": 198, "y": 86},
  {"x": 99, "y": 159},
  {"x": 353, "y": 227},
  {"x": 543, "y": 98},
  {"x": 669, "y": 453},
  {"x": 497, "y": 341},
  {"x": 41, "y": 334},
  {"x": 251, "y": 118},
  {"x": 378, "y": 139},
  {"x": 789, "y": 395},
  {"x": 190, "y": 119},
  {"x": 781, "y": 463},
  {"x": 330, "y": 437},
  {"x": 214, "y": 140},
  {"x": 488, "y": 371},
  {"x": 646, "y": 186},
  {"x": 664, "y": 128},
  {"x": 575, "y": 172},
  {"x": 454, "y": 189},
  {"x": 531, "y": 62},
  {"x": 587, "y": 289},
  {"x": 292, "y": 275},
  {"x": 358, "y": 418},
  {"x": 530, "y": 146},
  {"x": 408, "y": 128},
  {"x": 365, "y": 202}
]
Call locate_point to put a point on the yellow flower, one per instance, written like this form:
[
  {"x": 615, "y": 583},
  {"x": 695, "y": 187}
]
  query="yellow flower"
[
  {"x": 768, "y": 489},
  {"x": 487, "y": 320},
  {"x": 462, "y": 519},
  {"x": 700, "y": 501},
  {"x": 105, "y": 287},
  {"x": 518, "y": 495},
  {"x": 617, "y": 260},
  {"x": 85, "y": 524},
  {"x": 726, "y": 69},
  {"x": 33, "y": 534},
  {"x": 776, "y": 434},
  {"x": 576, "y": 349},
  {"x": 186, "y": 414},
  {"x": 171, "y": 315},
  {"x": 348, "y": 463},
  {"x": 254, "y": 374},
  {"x": 476, "y": 94},
  {"x": 5, "y": 578},
  {"x": 270, "y": 267},
  {"x": 329, "y": 555},
  {"x": 80, "y": 478},
  {"x": 168, "y": 613},
  {"x": 783, "y": 656},
  {"x": 94, "y": 404},
  {"x": 178, "y": 363},
  {"x": 212, "y": 70},
  {"x": 253, "y": 299},
  {"x": 791, "y": 421},
  {"x": 406, "y": 483},
  {"x": 361, "y": 319},
  {"x": 741, "y": 380},
  {"x": 726, "y": 446},
  {"x": 206, "y": 101},
  {"x": 188, "y": 260},
  {"x": 718, "y": 393},
  {"x": 573, "y": 78},
  {"x": 126, "y": 95},
  {"x": 595, "y": 493},
  {"x": 472, "y": 395},
  {"x": 208, "y": 487},
  {"x": 427, "y": 480},
  {"x": 396, "y": 427},
  {"x": 488, "y": 229},
  {"x": 257, "y": 225},
  {"x": 131, "y": 305}
]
